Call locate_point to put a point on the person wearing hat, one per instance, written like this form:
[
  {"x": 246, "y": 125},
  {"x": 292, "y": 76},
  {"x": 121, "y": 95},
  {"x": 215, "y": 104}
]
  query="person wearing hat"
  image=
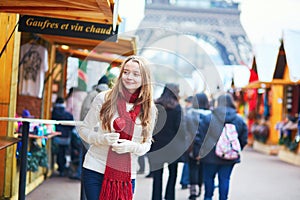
[
  {"x": 167, "y": 143},
  {"x": 63, "y": 141}
]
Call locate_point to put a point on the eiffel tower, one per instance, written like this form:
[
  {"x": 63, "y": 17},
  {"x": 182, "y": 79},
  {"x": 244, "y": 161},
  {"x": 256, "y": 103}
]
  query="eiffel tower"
[{"x": 216, "y": 22}]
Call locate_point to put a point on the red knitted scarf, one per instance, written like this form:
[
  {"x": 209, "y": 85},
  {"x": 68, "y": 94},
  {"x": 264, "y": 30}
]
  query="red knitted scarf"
[{"x": 117, "y": 176}]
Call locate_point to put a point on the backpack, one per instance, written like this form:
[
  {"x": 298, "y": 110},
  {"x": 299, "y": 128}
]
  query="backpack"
[{"x": 228, "y": 146}]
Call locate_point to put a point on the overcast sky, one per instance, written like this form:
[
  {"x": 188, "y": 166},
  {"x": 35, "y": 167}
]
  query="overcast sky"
[{"x": 264, "y": 20}]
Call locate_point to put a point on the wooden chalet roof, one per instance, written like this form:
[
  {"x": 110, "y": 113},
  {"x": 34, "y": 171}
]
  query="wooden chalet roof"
[
  {"x": 281, "y": 73},
  {"x": 99, "y": 11},
  {"x": 96, "y": 11},
  {"x": 125, "y": 45}
]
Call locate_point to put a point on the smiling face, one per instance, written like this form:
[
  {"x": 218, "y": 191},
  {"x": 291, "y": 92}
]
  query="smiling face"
[{"x": 131, "y": 76}]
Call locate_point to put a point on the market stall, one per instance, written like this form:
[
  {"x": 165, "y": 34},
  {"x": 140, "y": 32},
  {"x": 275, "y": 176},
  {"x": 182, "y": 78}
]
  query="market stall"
[
  {"x": 13, "y": 99},
  {"x": 274, "y": 101}
]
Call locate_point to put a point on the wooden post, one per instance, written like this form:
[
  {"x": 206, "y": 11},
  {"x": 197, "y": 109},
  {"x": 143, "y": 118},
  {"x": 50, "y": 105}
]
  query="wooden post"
[
  {"x": 8, "y": 86},
  {"x": 47, "y": 101},
  {"x": 23, "y": 164},
  {"x": 276, "y": 115}
]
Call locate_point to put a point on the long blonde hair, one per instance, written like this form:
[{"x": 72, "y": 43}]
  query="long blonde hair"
[{"x": 145, "y": 98}]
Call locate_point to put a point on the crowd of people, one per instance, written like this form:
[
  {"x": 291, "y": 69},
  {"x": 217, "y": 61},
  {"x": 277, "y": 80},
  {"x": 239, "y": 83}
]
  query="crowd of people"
[
  {"x": 202, "y": 127},
  {"x": 123, "y": 124}
]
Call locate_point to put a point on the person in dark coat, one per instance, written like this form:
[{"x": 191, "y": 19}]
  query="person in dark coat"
[
  {"x": 185, "y": 175},
  {"x": 210, "y": 131},
  {"x": 200, "y": 109},
  {"x": 62, "y": 141},
  {"x": 165, "y": 145}
]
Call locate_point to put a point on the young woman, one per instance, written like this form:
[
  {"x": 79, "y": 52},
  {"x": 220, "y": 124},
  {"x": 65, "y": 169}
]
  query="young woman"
[{"x": 126, "y": 117}]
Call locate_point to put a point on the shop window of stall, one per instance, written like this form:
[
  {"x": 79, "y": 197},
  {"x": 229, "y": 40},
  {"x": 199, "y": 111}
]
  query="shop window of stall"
[{"x": 289, "y": 135}]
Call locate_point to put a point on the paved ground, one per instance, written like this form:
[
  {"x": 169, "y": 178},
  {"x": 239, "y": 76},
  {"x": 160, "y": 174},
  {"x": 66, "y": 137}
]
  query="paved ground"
[{"x": 258, "y": 177}]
